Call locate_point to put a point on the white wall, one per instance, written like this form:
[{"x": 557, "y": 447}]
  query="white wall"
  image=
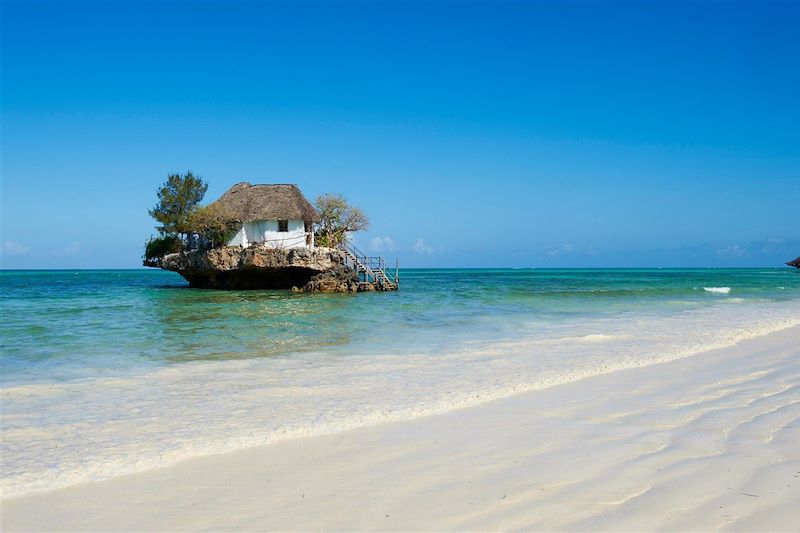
[{"x": 266, "y": 232}]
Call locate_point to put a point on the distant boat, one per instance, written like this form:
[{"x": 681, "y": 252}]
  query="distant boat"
[{"x": 795, "y": 263}]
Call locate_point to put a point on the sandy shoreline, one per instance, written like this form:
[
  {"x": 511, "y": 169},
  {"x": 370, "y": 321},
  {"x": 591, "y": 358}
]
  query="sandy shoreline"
[{"x": 707, "y": 442}]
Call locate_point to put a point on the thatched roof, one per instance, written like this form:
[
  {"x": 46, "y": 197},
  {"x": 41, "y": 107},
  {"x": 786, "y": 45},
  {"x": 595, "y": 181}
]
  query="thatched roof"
[
  {"x": 249, "y": 202},
  {"x": 795, "y": 263}
]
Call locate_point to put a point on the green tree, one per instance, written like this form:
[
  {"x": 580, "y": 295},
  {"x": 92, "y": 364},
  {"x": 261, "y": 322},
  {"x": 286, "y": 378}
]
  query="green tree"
[
  {"x": 337, "y": 217},
  {"x": 177, "y": 198},
  {"x": 157, "y": 247},
  {"x": 213, "y": 222}
]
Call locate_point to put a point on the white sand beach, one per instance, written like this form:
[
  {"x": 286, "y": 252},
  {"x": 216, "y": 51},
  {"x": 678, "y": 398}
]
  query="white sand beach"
[{"x": 704, "y": 443}]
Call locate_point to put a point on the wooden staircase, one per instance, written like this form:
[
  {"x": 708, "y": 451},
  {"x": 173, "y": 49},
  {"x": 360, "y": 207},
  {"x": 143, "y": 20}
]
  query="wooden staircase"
[{"x": 370, "y": 269}]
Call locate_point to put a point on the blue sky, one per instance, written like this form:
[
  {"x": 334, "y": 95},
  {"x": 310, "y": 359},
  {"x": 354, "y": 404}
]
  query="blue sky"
[{"x": 523, "y": 134}]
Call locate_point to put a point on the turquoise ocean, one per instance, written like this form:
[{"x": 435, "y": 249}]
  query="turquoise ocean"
[{"x": 110, "y": 372}]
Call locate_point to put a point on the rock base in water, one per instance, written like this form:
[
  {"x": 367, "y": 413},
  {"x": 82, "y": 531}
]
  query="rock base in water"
[
  {"x": 258, "y": 267},
  {"x": 339, "y": 279},
  {"x": 251, "y": 279}
]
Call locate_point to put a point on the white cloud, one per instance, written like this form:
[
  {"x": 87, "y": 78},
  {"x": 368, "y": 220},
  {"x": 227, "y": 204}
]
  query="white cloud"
[
  {"x": 381, "y": 244},
  {"x": 14, "y": 248},
  {"x": 73, "y": 248},
  {"x": 734, "y": 250},
  {"x": 421, "y": 248},
  {"x": 553, "y": 249}
]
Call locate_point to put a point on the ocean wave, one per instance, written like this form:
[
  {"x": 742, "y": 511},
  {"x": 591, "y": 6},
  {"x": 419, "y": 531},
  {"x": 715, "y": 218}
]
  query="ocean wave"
[
  {"x": 718, "y": 290},
  {"x": 593, "y": 338}
]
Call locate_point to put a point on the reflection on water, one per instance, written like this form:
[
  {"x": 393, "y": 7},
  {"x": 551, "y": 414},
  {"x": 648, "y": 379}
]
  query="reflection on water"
[{"x": 201, "y": 324}]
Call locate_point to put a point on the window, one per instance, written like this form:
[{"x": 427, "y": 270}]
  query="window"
[{"x": 283, "y": 226}]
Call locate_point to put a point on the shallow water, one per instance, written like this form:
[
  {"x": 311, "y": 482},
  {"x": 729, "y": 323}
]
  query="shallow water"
[{"x": 110, "y": 372}]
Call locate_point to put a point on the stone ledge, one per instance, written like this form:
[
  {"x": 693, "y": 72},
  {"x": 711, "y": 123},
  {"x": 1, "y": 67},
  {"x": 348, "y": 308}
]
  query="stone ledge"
[{"x": 258, "y": 267}]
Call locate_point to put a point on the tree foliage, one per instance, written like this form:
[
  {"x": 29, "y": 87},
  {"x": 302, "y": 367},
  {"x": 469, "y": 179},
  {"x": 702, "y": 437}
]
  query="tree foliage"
[
  {"x": 177, "y": 198},
  {"x": 158, "y": 247},
  {"x": 213, "y": 223},
  {"x": 337, "y": 217}
]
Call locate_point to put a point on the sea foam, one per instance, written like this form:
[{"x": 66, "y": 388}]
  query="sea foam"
[{"x": 717, "y": 290}]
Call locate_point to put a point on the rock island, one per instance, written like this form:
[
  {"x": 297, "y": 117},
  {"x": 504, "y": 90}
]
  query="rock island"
[{"x": 263, "y": 237}]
